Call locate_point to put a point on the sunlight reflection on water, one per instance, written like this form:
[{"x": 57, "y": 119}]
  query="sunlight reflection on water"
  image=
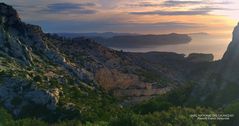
[{"x": 200, "y": 44}]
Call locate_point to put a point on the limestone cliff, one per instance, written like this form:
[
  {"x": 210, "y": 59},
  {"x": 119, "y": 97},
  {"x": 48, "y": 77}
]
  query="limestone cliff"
[
  {"x": 230, "y": 61},
  {"x": 219, "y": 85}
]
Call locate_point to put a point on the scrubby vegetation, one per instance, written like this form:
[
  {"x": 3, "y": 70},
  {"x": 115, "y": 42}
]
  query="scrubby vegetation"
[
  {"x": 159, "y": 111},
  {"x": 83, "y": 106}
]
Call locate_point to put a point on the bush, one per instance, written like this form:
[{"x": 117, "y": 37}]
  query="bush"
[
  {"x": 232, "y": 109},
  {"x": 127, "y": 119},
  {"x": 30, "y": 122},
  {"x": 5, "y": 118},
  {"x": 176, "y": 116},
  {"x": 154, "y": 105}
]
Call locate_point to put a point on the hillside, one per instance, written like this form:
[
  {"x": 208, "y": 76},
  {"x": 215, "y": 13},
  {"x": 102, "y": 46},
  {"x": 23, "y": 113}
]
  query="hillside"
[{"x": 38, "y": 69}]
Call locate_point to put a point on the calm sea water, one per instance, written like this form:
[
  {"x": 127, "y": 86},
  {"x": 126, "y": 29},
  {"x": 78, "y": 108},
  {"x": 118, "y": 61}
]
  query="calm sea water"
[{"x": 213, "y": 44}]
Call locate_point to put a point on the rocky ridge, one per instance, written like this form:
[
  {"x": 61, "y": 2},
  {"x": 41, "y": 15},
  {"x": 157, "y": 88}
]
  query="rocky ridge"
[
  {"x": 26, "y": 54},
  {"x": 218, "y": 85}
]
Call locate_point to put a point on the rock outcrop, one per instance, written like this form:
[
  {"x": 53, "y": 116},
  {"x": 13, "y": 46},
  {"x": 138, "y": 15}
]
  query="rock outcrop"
[
  {"x": 218, "y": 84},
  {"x": 16, "y": 94},
  {"x": 199, "y": 57},
  {"x": 9, "y": 15},
  {"x": 230, "y": 62},
  {"x": 22, "y": 44},
  {"x": 232, "y": 53}
]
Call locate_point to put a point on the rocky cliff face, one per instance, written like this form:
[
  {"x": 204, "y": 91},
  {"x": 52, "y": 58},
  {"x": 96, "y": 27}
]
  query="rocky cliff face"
[
  {"x": 219, "y": 85},
  {"x": 232, "y": 52},
  {"x": 32, "y": 69},
  {"x": 9, "y": 44},
  {"x": 9, "y": 16},
  {"x": 230, "y": 60},
  {"x": 20, "y": 45}
]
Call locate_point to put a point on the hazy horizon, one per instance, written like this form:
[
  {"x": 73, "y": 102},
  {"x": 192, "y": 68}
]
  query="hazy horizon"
[
  {"x": 144, "y": 16},
  {"x": 207, "y": 44}
]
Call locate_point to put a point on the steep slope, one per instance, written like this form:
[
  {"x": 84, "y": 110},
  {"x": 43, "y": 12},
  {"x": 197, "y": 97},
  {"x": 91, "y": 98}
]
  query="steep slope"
[
  {"x": 218, "y": 85},
  {"x": 232, "y": 53},
  {"x": 230, "y": 60},
  {"x": 121, "y": 72},
  {"x": 114, "y": 71},
  {"x": 35, "y": 75}
]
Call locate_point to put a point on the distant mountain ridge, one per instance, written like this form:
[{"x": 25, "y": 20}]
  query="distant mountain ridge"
[
  {"x": 128, "y": 40},
  {"x": 94, "y": 34}
]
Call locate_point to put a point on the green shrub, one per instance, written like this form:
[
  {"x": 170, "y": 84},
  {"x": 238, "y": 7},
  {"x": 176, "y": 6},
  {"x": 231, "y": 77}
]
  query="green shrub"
[
  {"x": 231, "y": 109},
  {"x": 5, "y": 118},
  {"x": 30, "y": 122},
  {"x": 154, "y": 105},
  {"x": 177, "y": 116},
  {"x": 127, "y": 119}
]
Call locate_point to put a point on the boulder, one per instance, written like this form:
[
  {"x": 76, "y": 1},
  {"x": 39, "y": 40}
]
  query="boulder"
[{"x": 15, "y": 94}]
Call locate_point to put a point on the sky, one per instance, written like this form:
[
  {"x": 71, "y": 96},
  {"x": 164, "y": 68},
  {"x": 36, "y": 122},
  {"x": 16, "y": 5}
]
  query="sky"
[{"x": 132, "y": 16}]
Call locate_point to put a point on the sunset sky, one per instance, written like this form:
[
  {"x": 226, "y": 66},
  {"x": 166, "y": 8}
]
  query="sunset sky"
[{"x": 135, "y": 16}]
